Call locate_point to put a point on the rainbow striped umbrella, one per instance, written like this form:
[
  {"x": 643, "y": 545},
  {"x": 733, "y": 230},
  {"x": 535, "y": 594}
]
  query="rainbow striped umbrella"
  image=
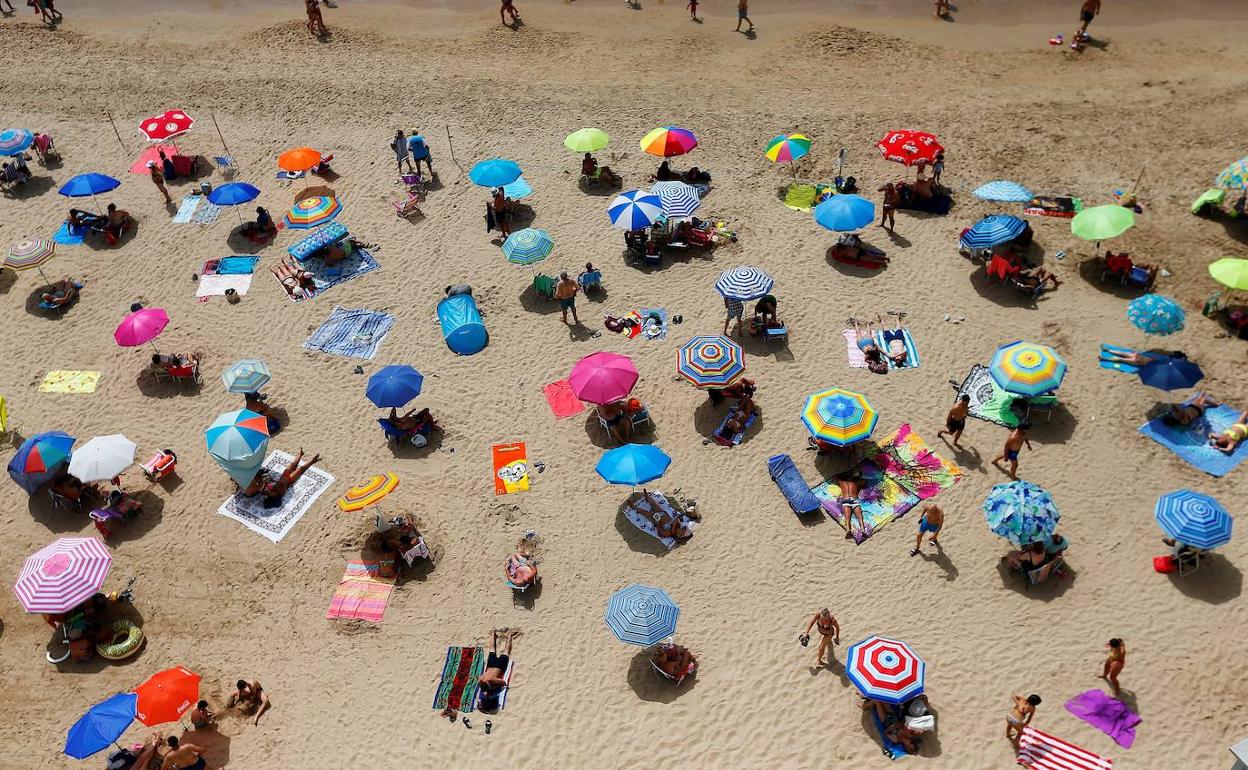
[
  {"x": 839, "y": 417},
  {"x": 63, "y": 575},
  {"x": 710, "y": 361},
  {"x": 369, "y": 492},
  {"x": 14, "y": 141},
  {"x": 1234, "y": 176},
  {"x": 313, "y": 212},
  {"x": 786, "y": 149},
  {"x": 528, "y": 246},
  {"x": 30, "y": 253},
  {"x": 668, "y": 141},
  {"x": 1027, "y": 369}
]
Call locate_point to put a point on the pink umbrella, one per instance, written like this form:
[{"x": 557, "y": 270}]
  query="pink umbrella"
[
  {"x": 63, "y": 575},
  {"x": 141, "y": 326},
  {"x": 601, "y": 378}
]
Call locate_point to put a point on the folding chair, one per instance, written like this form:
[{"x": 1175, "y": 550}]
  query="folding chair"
[
  {"x": 410, "y": 206},
  {"x": 160, "y": 465},
  {"x": 1045, "y": 407},
  {"x": 544, "y": 286},
  {"x": 1044, "y": 572},
  {"x": 61, "y": 501},
  {"x": 178, "y": 374},
  {"x": 226, "y": 165},
  {"x": 1188, "y": 561}
]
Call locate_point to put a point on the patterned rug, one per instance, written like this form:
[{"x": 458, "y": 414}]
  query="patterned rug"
[{"x": 274, "y": 523}]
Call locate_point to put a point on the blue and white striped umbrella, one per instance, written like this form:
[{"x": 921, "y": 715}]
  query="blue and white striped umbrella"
[
  {"x": 993, "y": 231},
  {"x": 528, "y": 246},
  {"x": 1155, "y": 314},
  {"x": 641, "y": 615},
  {"x": 15, "y": 140},
  {"x": 1194, "y": 519},
  {"x": 743, "y": 283},
  {"x": 635, "y": 209},
  {"x": 680, "y": 200},
  {"x": 1003, "y": 191},
  {"x": 246, "y": 376}
]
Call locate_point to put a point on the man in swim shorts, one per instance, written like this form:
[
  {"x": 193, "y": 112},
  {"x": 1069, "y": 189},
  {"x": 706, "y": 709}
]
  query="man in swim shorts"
[
  {"x": 1087, "y": 13},
  {"x": 565, "y": 292},
  {"x": 955, "y": 422},
  {"x": 851, "y": 487},
  {"x": 932, "y": 520},
  {"x": 743, "y": 14},
  {"x": 183, "y": 756},
  {"x": 1013, "y": 445}
]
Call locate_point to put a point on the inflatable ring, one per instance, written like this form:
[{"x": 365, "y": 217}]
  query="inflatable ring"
[{"x": 127, "y": 639}]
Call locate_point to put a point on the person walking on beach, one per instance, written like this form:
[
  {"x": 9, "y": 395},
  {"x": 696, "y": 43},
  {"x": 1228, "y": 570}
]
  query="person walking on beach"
[
  {"x": 158, "y": 179},
  {"x": 735, "y": 309},
  {"x": 1089, "y": 11},
  {"x": 955, "y": 421},
  {"x": 1114, "y": 662},
  {"x": 829, "y": 634},
  {"x": 401, "y": 152},
  {"x": 508, "y": 7},
  {"x": 932, "y": 520},
  {"x": 1020, "y": 716},
  {"x": 693, "y": 10},
  {"x": 1013, "y": 445},
  {"x": 565, "y": 292},
  {"x": 316, "y": 23},
  {"x": 743, "y": 14},
  {"x": 420, "y": 151}
]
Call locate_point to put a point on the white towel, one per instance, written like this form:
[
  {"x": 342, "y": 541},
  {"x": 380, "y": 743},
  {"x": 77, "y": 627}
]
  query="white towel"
[{"x": 215, "y": 285}]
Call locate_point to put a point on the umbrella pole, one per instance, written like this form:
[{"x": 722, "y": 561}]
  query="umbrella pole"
[
  {"x": 222, "y": 138},
  {"x": 240, "y": 215},
  {"x": 124, "y": 149},
  {"x": 45, "y": 278},
  {"x": 97, "y": 204}
]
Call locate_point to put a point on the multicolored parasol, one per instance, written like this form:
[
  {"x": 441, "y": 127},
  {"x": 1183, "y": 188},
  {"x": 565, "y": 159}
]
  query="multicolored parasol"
[
  {"x": 839, "y": 417},
  {"x": 1027, "y": 369},
  {"x": 710, "y": 361}
]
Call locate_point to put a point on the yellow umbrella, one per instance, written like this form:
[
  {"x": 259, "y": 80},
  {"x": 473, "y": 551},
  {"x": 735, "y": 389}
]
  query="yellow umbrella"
[{"x": 368, "y": 493}]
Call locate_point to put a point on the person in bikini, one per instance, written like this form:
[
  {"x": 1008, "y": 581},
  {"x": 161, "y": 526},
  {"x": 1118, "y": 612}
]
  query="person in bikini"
[
  {"x": 1186, "y": 414},
  {"x": 1013, "y": 445},
  {"x": 183, "y": 756},
  {"x": 1019, "y": 717},
  {"x": 666, "y": 523},
  {"x": 275, "y": 489},
  {"x": 955, "y": 422},
  {"x": 829, "y": 634},
  {"x": 249, "y": 697},
  {"x": 851, "y": 488},
  {"x": 889, "y": 207},
  {"x": 294, "y": 279},
  {"x": 316, "y": 23},
  {"x": 864, "y": 338},
  {"x": 1114, "y": 662},
  {"x": 521, "y": 567},
  {"x": 1228, "y": 440},
  {"x": 615, "y": 415},
  {"x": 932, "y": 520},
  {"x": 1136, "y": 358}
]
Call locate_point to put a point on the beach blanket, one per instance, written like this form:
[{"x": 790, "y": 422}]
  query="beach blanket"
[
  {"x": 720, "y": 438},
  {"x": 361, "y": 594},
  {"x": 62, "y": 381},
  {"x": 990, "y": 403},
  {"x": 1041, "y": 751},
  {"x": 457, "y": 686},
  {"x": 70, "y": 236},
  {"x": 562, "y": 401},
  {"x": 802, "y": 197},
  {"x": 1053, "y": 206},
  {"x": 502, "y": 694},
  {"x": 653, "y": 323},
  {"x": 643, "y": 519},
  {"x": 1191, "y": 442},
  {"x": 856, "y": 359},
  {"x": 216, "y": 285},
  {"x": 355, "y": 333},
  {"x": 1115, "y": 365},
  {"x": 511, "y": 468},
  {"x": 207, "y": 213},
  {"x": 186, "y": 209},
  {"x": 938, "y": 204},
  {"x": 236, "y": 265},
  {"x": 325, "y": 277},
  {"x": 1109, "y": 715},
  {"x": 274, "y": 523},
  {"x": 912, "y": 350},
  {"x": 892, "y": 749},
  {"x": 882, "y": 499},
  {"x": 794, "y": 488}
]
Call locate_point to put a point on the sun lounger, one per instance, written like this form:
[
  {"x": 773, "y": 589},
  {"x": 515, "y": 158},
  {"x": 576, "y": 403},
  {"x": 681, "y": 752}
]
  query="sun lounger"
[
  {"x": 410, "y": 206},
  {"x": 643, "y": 519},
  {"x": 160, "y": 465},
  {"x": 891, "y": 749},
  {"x": 1045, "y": 571},
  {"x": 794, "y": 488},
  {"x": 730, "y": 441}
]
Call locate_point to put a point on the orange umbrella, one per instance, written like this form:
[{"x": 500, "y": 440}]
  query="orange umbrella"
[
  {"x": 299, "y": 159},
  {"x": 166, "y": 696}
]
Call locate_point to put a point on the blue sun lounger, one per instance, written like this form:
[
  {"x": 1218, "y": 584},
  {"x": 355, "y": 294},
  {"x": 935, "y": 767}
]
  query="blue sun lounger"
[{"x": 792, "y": 485}]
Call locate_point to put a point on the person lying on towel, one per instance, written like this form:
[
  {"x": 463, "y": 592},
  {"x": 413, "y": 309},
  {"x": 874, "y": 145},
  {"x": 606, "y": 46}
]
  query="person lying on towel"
[
  {"x": 1228, "y": 440},
  {"x": 738, "y": 417},
  {"x": 666, "y": 524},
  {"x": 61, "y": 293}
]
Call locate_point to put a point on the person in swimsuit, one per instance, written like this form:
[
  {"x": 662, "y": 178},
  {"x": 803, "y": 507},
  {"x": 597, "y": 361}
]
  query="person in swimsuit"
[
  {"x": 565, "y": 291},
  {"x": 1229, "y": 439},
  {"x": 829, "y": 634},
  {"x": 674, "y": 660},
  {"x": 502, "y": 212},
  {"x": 1026, "y": 558},
  {"x": 1135, "y": 358},
  {"x": 618, "y": 423},
  {"x": 1186, "y": 414},
  {"x": 521, "y": 567},
  {"x": 412, "y": 420},
  {"x": 895, "y": 339},
  {"x": 955, "y": 421},
  {"x": 851, "y": 487},
  {"x": 158, "y": 179},
  {"x": 248, "y": 697},
  {"x": 316, "y": 23},
  {"x": 1087, "y": 13},
  {"x": 891, "y": 199},
  {"x": 743, "y": 14},
  {"x": 932, "y": 520},
  {"x": 1013, "y": 445},
  {"x": 1114, "y": 662},
  {"x": 1020, "y": 715},
  {"x": 294, "y": 279},
  {"x": 203, "y": 717},
  {"x": 275, "y": 489},
  {"x": 508, "y": 6},
  {"x": 665, "y": 523},
  {"x": 183, "y": 756},
  {"x": 493, "y": 679}
]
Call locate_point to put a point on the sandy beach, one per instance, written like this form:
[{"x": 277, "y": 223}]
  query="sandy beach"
[{"x": 1158, "y": 89}]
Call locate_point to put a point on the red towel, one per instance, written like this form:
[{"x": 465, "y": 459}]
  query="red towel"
[{"x": 561, "y": 399}]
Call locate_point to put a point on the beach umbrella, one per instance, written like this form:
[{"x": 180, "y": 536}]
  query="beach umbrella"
[
  {"x": 601, "y": 378},
  {"x": 31, "y": 253},
  {"x": 15, "y": 141},
  {"x": 62, "y": 575},
  {"x": 1234, "y": 176},
  {"x": 141, "y": 327},
  {"x": 1155, "y": 314},
  {"x": 1193, "y": 519},
  {"x": 39, "y": 459},
  {"x": 101, "y": 725},
  {"x": 237, "y": 441},
  {"x": 517, "y": 189},
  {"x": 710, "y": 361},
  {"x": 102, "y": 458},
  {"x": 89, "y": 184},
  {"x": 586, "y": 140},
  {"x": 1021, "y": 512},
  {"x": 787, "y": 148},
  {"x": 246, "y": 376},
  {"x": 369, "y": 492},
  {"x": 641, "y": 615},
  {"x": 1171, "y": 374},
  {"x": 1003, "y": 191},
  {"x": 166, "y": 695},
  {"x": 839, "y": 417},
  {"x": 845, "y": 213},
  {"x": 313, "y": 212},
  {"x": 299, "y": 159},
  {"x": 1100, "y": 223},
  {"x": 394, "y": 386},
  {"x": 494, "y": 173},
  {"x": 909, "y": 147},
  {"x": 1231, "y": 272},
  {"x": 167, "y": 126},
  {"x": 744, "y": 283},
  {"x": 679, "y": 200},
  {"x": 528, "y": 246},
  {"x": 233, "y": 194},
  {"x": 992, "y": 231},
  {"x": 633, "y": 464},
  {"x": 635, "y": 209},
  {"x": 668, "y": 141},
  {"x": 885, "y": 669},
  {"x": 1027, "y": 369}
]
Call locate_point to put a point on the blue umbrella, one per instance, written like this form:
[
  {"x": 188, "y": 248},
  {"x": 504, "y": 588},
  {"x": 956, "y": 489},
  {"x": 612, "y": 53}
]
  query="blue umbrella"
[
  {"x": 39, "y": 459},
  {"x": 1171, "y": 374},
  {"x": 993, "y": 231},
  {"x": 394, "y": 386},
  {"x": 633, "y": 464},
  {"x": 1193, "y": 519},
  {"x": 635, "y": 209},
  {"x": 102, "y": 725},
  {"x": 89, "y": 184},
  {"x": 641, "y": 615},
  {"x": 845, "y": 213},
  {"x": 1021, "y": 512},
  {"x": 744, "y": 283},
  {"x": 246, "y": 376},
  {"x": 528, "y": 246},
  {"x": 233, "y": 194},
  {"x": 14, "y": 141},
  {"x": 518, "y": 189},
  {"x": 1003, "y": 191},
  {"x": 1155, "y": 314},
  {"x": 494, "y": 173}
]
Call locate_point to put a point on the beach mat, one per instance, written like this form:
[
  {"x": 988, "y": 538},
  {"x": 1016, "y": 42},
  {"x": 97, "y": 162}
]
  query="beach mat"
[
  {"x": 152, "y": 155},
  {"x": 361, "y": 594},
  {"x": 216, "y": 285},
  {"x": 325, "y": 277},
  {"x": 856, "y": 359},
  {"x": 562, "y": 401},
  {"x": 274, "y": 523},
  {"x": 511, "y": 468},
  {"x": 938, "y": 204},
  {"x": 1041, "y": 751},
  {"x": 63, "y": 381},
  {"x": 794, "y": 488},
  {"x": 892, "y": 749},
  {"x": 70, "y": 236},
  {"x": 1117, "y": 366},
  {"x": 912, "y": 350},
  {"x": 355, "y": 333},
  {"x": 1109, "y": 715},
  {"x": 1191, "y": 442},
  {"x": 457, "y": 686},
  {"x": 207, "y": 212},
  {"x": 235, "y": 265},
  {"x": 186, "y": 209},
  {"x": 654, "y": 323},
  {"x": 802, "y": 197},
  {"x": 990, "y": 403}
]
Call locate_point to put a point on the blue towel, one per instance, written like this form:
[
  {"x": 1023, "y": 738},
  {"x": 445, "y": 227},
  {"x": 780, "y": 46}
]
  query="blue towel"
[
  {"x": 735, "y": 439},
  {"x": 912, "y": 350},
  {"x": 891, "y": 750},
  {"x": 352, "y": 333},
  {"x": 792, "y": 485},
  {"x": 1115, "y": 365},
  {"x": 68, "y": 236},
  {"x": 237, "y": 265},
  {"x": 1191, "y": 442},
  {"x": 651, "y": 330},
  {"x": 324, "y": 277}
]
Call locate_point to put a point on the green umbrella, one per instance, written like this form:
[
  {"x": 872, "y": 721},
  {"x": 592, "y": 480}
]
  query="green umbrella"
[
  {"x": 1231, "y": 272},
  {"x": 1100, "y": 223},
  {"x": 1213, "y": 196},
  {"x": 586, "y": 140}
]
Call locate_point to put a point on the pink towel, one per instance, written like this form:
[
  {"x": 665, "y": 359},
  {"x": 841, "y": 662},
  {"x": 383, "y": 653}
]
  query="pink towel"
[
  {"x": 361, "y": 594},
  {"x": 856, "y": 358},
  {"x": 561, "y": 399}
]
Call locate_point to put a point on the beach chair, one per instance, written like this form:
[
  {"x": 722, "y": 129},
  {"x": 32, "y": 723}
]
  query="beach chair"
[
  {"x": 1187, "y": 561},
  {"x": 61, "y": 501},
  {"x": 160, "y": 465},
  {"x": 226, "y": 165},
  {"x": 677, "y": 680},
  {"x": 640, "y": 419},
  {"x": 1045, "y": 405},
  {"x": 591, "y": 279},
  {"x": 1045, "y": 571},
  {"x": 417, "y": 437},
  {"x": 794, "y": 488},
  {"x": 730, "y": 441},
  {"x": 45, "y": 150},
  {"x": 178, "y": 374},
  {"x": 1116, "y": 266},
  {"x": 544, "y": 286},
  {"x": 409, "y": 207}
]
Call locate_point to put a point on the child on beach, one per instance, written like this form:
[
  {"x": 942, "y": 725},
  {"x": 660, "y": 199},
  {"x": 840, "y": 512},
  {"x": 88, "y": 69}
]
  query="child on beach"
[
  {"x": 1013, "y": 445},
  {"x": 1020, "y": 716},
  {"x": 743, "y": 14},
  {"x": 955, "y": 421}
]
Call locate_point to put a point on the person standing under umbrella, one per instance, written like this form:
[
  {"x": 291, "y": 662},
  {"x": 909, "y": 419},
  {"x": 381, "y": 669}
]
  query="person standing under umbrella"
[
  {"x": 158, "y": 179},
  {"x": 401, "y": 153}
]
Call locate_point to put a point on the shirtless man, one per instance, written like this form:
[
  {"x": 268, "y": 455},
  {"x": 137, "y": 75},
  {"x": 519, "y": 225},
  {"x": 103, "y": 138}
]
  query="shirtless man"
[
  {"x": 618, "y": 421},
  {"x": 1013, "y": 445},
  {"x": 955, "y": 422},
  {"x": 183, "y": 756},
  {"x": 851, "y": 487},
  {"x": 743, "y": 14},
  {"x": 118, "y": 220},
  {"x": 674, "y": 660},
  {"x": 248, "y": 697},
  {"x": 932, "y": 520},
  {"x": 1020, "y": 716},
  {"x": 494, "y": 678},
  {"x": 565, "y": 292},
  {"x": 508, "y": 6}
]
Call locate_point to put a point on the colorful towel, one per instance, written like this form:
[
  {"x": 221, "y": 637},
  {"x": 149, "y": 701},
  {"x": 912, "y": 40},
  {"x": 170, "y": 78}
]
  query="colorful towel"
[
  {"x": 362, "y": 594},
  {"x": 457, "y": 687},
  {"x": 990, "y": 403},
  {"x": 207, "y": 213},
  {"x": 562, "y": 401},
  {"x": 1041, "y": 751},
  {"x": 70, "y": 236},
  {"x": 907, "y": 459},
  {"x": 216, "y": 285},
  {"x": 61, "y": 381},
  {"x": 352, "y": 333},
  {"x": 653, "y": 323},
  {"x": 912, "y": 350},
  {"x": 1128, "y": 368},
  {"x": 1053, "y": 206},
  {"x": 502, "y": 695},
  {"x": 325, "y": 277},
  {"x": 152, "y": 155},
  {"x": 643, "y": 518},
  {"x": 274, "y": 523},
  {"x": 236, "y": 265},
  {"x": 856, "y": 359},
  {"x": 511, "y": 468},
  {"x": 1109, "y": 715},
  {"x": 186, "y": 209},
  {"x": 1191, "y": 442}
]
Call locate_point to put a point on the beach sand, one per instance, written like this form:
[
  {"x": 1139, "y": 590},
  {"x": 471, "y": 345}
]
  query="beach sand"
[{"x": 1152, "y": 91}]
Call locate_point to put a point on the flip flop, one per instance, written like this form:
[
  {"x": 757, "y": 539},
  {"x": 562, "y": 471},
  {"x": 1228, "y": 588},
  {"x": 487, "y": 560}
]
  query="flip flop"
[
  {"x": 488, "y": 726},
  {"x": 467, "y": 723}
]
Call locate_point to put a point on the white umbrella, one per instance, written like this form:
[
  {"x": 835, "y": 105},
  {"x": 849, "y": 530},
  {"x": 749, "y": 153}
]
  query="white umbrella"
[{"x": 102, "y": 458}]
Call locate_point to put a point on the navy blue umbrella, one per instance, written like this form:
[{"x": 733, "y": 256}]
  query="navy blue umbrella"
[
  {"x": 394, "y": 386},
  {"x": 1171, "y": 374},
  {"x": 993, "y": 231},
  {"x": 101, "y": 725}
]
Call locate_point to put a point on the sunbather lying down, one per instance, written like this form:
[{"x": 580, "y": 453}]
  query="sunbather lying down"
[
  {"x": 666, "y": 524},
  {"x": 1229, "y": 439},
  {"x": 61, "y": 292},
  {"x": 1035, "y": 280},
  {"x": 738, "y": 416},
  {"x": 1186, "y": 414},
  {"x": 293, "y": 278},
  {"x": 851, "y": 248}
]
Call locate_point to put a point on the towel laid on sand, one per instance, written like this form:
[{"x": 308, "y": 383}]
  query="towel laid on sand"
[
  {"x": 216, "y": 285},
  {"x": 990, "y": 403},
  {"x": 653, "y": 323},
  {"x": 70, "y": 236},
  {"x": 325, "y": 277},
  {"x": 912, "y": 350},
  {"x": 643, "y": 519},
  {"x": 206, "y": 213},
  {"x": 274, "y": 523},
  {"x": 802, "y": 197},
  {"x": 361, "y": 594},
  {"x": 235, "y": 265},
  {"x": 856, "y": 358},
  {"x": 457, "y": 686},
  {"x": 1191, "y": 442},
  {"x": 63, "y": 381},
  {"x": 186, "y": 209},
  {"x": 356, "y": 333},
  {"x": 1109, "y": 715},
  {"x": 1041, "y": 751},
  {"x": 563, "y": 402}
]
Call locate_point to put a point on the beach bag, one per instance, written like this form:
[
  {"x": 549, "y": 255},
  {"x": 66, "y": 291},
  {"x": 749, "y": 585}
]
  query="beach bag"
[
  {"x": 1165, "y": 564},
  {"x": 923, "y": 724}
]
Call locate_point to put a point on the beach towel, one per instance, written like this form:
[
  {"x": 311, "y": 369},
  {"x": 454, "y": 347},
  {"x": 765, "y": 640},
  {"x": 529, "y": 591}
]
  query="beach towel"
[
  {"x": 362, "y": 594},
  {"x": 216, "y": 285},
  {"x": 1053, "y": 206},
  {"x": 563, "y": 402},
  {"x": 794, "y": 488},
  {"x": 802, "y": 197},
  {"x": 643, "y": 519},
  {"x": 325, "y": 277},
  {"x": 274, "y": 523},
  {"x": 355, "y": 333},
  {"x": 990, "y": 403},
  {"x": 1117, "y": 366},
  {"x": 152, "y": 155},
  {"x": 186, "y": 209},
  {"x": 653, "y": 323},
  {"x": 236, "y": 265},
  {"x": 511, "y": 468},
  {"x": 502, "y": 694},
  {"x": 1191, "y": 442},
  {"x": 70, "y": 236},
  {"x": 457, "y": 686},
  {"x": 206, "y": 213},
  {"x": 730, "y": 441},
  {"x": 1109, "y": 715},
  {"x": 62, "y": 381},
  {"x": 856, "y": 359},
  {"x": 892, "y": 749},
  {"x": 912, "y": 350},
  {"x": 882, "y": 500},
  {"x": 1041, "y": 751}
]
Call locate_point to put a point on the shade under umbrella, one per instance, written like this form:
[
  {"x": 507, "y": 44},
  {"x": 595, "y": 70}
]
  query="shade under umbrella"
[
  {"x": 1003, "y": 191},
  {"x": 840, "y": 417},
  {"x": 635, "y": 209},
  {"x": 1193, "y": 519},
  {"x": 744, "y": 283},
  {"x": 641, "y": 615},
  {"x": 39, "y": 459},
  {"x": 993, "y": 231},
  {"x": 141, "y": 327},
  {"x": 394, "y": 386},
  {"x": 369, "y": 492},
  {"x": 885, "y": 670},
  {"x": 495, "y": 172},
  {"x": 1171, "y": 374},
  {"x": 633, "y": 464},
  {"x": 1155, "y": 314},
  {"x": 246, "y": 376},
  {"x": 1021, "y": 512},
  {"x": 101, "y": 725},
  {"x": 62, "y": 575},
  {"x": 166, "y": 695},
  {"x": 601, "y": 378},
  {"x": 1027, "y": 369},
  {"x": 710, "y": 361},
  {"x": 102, "y": 458},
  {"x": 299, "y": 159},
  {"x": 845, "y": 213},
  {"x": 528, "y": 246}
]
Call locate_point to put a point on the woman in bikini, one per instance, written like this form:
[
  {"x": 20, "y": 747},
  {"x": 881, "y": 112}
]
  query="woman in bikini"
[
  {"x": 294, "y": 279},
  {"x": 1186, "y": 414},
  {"x": 1114, "y": 662},
  {"x": 1020, "y": 716},
  {"x": 1228, "y": 440},
  {"x": 275, "y": 489},
  {"x": 829, "y": 633}
]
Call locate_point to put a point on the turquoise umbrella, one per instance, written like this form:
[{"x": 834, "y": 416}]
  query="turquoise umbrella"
[{"x": 528, "y": 246}]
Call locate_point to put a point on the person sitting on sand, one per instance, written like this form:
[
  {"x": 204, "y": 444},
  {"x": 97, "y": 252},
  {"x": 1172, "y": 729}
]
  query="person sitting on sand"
[
  {"x": 262, "y": 228},
  {"x": 521, "y": 567},
  {"x": 1229, "y": 439},
  {"x": 851, "y": 487},
  {"x": 393, "y": 553},
  {"x": 674, "y": 660},
  {"x": 249, "y": 697},
  {"x": 738, "y": 417},
  {"x": 294, "y": 279},
  {"x": 604, "y": 174},
  {"x": 183, "y": 756},
  {"x": 619, "y": 423},
  {"x": 413, "y": 421},
  {"x": 60, "y": 293},
  {"x": 494, "y": 678},
  {"x": 275, "y": 489},
  {"x": 1026, "y": 558},
  {"x": 664, "y": 173},
  {"x": 1190, "y": 412},
  {"x": 202, "y": 717}
]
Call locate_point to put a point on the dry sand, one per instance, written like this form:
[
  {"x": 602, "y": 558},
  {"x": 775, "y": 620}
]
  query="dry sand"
[{"x": 223, "y": 601}]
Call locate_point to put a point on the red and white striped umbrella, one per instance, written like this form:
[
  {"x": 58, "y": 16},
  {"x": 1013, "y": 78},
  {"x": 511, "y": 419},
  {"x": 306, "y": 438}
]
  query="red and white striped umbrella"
[
  {"x": 1041, "y": 751},
  {"x": 63, "y": 575},
  {"x": 885, "y": 670}
]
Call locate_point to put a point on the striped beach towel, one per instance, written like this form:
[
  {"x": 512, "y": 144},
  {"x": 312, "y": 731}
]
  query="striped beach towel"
[
  {"x": 856, "y": 359},
  {"x": 354, "y": 333},
  {"x": 186, "y": 209},
  {"x": 912, "y": 350},
  {"x": 362, "y": 594},
  {"x": 1041, "y": 751},
  {"x": 457, "y": 687}
]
